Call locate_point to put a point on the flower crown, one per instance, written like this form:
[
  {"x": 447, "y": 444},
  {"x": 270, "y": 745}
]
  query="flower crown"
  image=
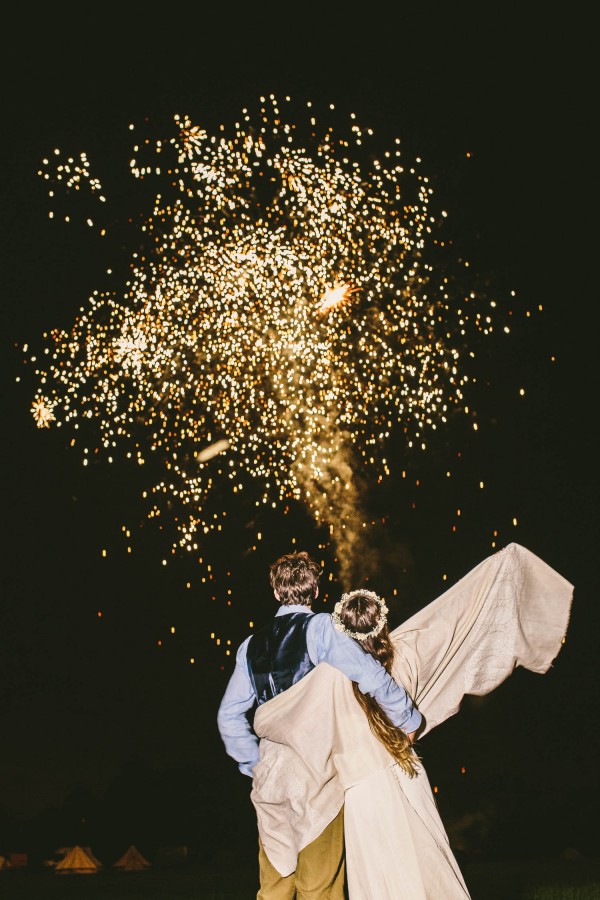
[{"x": 358, "y": 635}]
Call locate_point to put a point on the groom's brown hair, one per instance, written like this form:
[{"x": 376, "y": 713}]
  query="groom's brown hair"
[{"x": 295, "y": 578}]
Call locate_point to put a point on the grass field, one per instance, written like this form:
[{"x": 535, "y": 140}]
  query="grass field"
[
  {"x": 500, "y": 880},
  {"x": 537, "y": 880}
]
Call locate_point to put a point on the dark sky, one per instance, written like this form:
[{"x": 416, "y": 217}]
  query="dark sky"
[{"x": 80, "y": 696}]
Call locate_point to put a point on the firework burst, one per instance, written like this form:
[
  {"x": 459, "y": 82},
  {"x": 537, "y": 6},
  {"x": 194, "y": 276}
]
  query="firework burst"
[{"x": 288, "y": 313}]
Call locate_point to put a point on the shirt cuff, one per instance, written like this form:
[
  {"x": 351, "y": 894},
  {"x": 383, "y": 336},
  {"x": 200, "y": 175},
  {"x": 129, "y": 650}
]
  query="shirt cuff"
[{"x": 413, "y": 722}]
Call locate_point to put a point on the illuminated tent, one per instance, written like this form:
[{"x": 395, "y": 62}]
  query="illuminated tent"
[
  {"x": 77, "y": 861},
  {"x": 132, "y": 861}
]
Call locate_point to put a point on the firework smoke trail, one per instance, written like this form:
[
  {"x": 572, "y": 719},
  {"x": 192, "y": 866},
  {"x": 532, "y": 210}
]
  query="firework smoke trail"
[{"x": 281, "y": 322}]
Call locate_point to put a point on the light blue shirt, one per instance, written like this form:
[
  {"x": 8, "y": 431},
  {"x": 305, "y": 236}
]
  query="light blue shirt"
[{"x": 325, "y": 644}]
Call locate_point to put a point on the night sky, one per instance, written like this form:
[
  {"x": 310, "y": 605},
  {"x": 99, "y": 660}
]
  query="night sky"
[{"x": 499, "y": 112}]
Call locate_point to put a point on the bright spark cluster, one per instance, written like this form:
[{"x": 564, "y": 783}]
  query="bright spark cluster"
[{"x": 285, "y": 316}]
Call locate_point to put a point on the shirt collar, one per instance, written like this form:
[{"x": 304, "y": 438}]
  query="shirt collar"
[{"x": 293, "y": 608}]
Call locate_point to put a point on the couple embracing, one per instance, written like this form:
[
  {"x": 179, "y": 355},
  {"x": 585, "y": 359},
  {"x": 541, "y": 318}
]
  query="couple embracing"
[{"x": 343, "y": 802}]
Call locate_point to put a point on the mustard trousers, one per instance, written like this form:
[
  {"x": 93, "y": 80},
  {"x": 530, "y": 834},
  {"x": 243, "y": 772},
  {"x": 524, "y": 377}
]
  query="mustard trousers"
[{"x": 319, "y": 874}]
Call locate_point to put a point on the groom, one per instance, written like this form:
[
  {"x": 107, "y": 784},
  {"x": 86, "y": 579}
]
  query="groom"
[{"x": 271, "y": 661}]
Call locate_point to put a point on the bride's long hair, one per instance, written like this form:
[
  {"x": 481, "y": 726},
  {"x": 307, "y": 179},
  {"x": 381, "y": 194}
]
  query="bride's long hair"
[{"x": 360, "y": 614}]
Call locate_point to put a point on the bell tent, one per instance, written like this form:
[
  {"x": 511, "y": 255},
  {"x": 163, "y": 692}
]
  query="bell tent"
[
  {"x": 132, "y": 861},
  {"x": 77, "y": 861}
]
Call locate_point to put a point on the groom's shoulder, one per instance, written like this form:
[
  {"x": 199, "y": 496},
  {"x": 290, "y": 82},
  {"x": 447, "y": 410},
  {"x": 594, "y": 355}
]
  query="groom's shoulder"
[{"x": 320, "y": 621}]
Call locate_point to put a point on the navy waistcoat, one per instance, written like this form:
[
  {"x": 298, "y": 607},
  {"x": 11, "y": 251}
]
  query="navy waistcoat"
[{"x": 277, "y": 655}]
